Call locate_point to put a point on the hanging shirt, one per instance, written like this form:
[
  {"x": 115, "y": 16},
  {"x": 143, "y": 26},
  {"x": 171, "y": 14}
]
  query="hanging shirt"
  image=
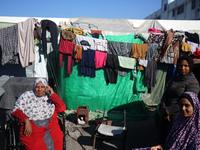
[
  {"x": 86, "y": 42},
  {"x": 100, "y": 59},
  {"x": 101, "y": 45},
  {"x": 77, "y": 53},
  {"x": 66, "y": 47}
]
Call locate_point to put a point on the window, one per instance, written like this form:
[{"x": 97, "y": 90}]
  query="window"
[
  {"x": 165, "y": 7},
  {"x": 180, "y": 9},
  {"x": 173, "y": 13},
  {"x": 193, "y": 4}
]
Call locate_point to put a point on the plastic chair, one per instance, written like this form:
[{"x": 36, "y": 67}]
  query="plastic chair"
[
  {"x": 12, "y": 138},
  {"x": 104, "y": 131}
]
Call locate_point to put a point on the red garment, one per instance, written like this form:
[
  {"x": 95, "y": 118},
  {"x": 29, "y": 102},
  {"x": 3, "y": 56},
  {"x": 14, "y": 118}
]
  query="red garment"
[
  {"x": 35, "y": 140},
  {"x": 153, "y": 30},
  {"x": 197, "y": 53},
  {"x": 100, "y": 59},
  {"x": 66, "y": 47}
]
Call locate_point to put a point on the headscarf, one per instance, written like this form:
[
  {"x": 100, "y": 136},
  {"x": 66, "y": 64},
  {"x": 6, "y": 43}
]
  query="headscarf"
[
  {"x": 189, "y": 59},
  {"x": 185, "y": 133},
  {"x": 36, "y": 108}
]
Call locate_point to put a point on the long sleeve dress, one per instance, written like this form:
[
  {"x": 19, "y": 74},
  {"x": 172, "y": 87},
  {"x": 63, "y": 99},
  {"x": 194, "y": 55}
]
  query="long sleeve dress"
[{"x": 46, "y": 134}]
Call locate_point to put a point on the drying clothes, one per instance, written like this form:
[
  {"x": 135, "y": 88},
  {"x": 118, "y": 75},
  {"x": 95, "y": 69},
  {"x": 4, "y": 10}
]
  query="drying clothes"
[
  {"x": 9, "y": 44},
  {"x": 143, "y": 62},
  {"x": 66, "y": 35},
  {"x": 139, "y": 51},
  {"x": 53, "y": 29},
  {"x": 193, "y": 37},
  {"x": 140, "y": 37},
  {"x": 193, "y": 46},
  {"x": 153, "y": 30},
  {"x": 168, "y": 41},
  {"x": 128, "y": 63},
  {"x": 96, "y": 31},
  {"x": 95, "y": 35},
  {"x": 101, "y": 45},
  {"x": 196, "y": 54},
  {"x": 112, "y": 65},
  {"x": 180, "y": 34},
  {"x": 119, "y": 48},
  {"x": 186, "y": 48},
  {"x": 77, "y": 53},
  {"x": 152, "y": 51},
  {"x": 168, "y": 58},
  {"x": 86, "y": 42},
  {"x": 176, "y": 49},
  {"x": 26, "y": 41},
  {"x": 100, "y": 59},
  {"x": 157, "y": 38},
  {"x": 88, "y": 63},
  {"x": 66, "y": 47},
  {"x": 76, "y": 31},
  {"x": 150, "y": 74}
]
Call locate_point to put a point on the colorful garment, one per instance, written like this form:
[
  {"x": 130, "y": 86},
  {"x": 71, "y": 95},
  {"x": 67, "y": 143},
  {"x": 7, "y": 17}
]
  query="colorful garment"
[
  {"x": 185, "y": 133},
  {"x": 76, "y": 31},
  {"x": 42, "y": 113}
]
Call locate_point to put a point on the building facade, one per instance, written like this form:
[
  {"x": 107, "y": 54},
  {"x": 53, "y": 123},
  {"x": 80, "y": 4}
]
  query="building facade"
[{"x": 177, "y": 10}]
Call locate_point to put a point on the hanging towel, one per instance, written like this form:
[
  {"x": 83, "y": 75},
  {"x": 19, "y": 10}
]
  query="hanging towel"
[
  {"x": 100, "y": 59},
  {"x": 88, "y": 63},
  {"x": 9, "y": 44},
  {"x": 139, "y": 51},
  {"x": 112, "y": 65},
  {"x": 26, "y": 41},
  {"x": 53, "y": 29},
  {"x": 66, "y": 47}
]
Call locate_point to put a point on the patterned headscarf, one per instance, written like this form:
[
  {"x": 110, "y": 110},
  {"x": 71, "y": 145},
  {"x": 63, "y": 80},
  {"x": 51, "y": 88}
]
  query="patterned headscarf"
[
  {"x": 36, "y": 108},
  {"x": 185, "y": 133}
]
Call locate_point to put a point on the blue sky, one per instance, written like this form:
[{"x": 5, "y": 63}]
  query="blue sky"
[{"x": 112, "y": 9}]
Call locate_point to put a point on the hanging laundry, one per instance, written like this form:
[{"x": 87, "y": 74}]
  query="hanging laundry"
[
  {"x": 77, "y": 53},
  {"x": 153, "y": 30},
  {"x": 100, "y": 59},
  {"x": 96, "y": 31},
  {"x": 157, "y": 38},
  {"x": 152, "y": 51},
  {"x": 150, "y": 75},
  {"x": 166, "y": 46},
  {"x": 128, "y": 63},
  {"x": 26, "y": 41},
  {"x": 112, "y": 65},
  {"x": 139, "y": 51},
  {"x": 119, "y": 48},
  {"x": 9, "y": 44},
  {"x": 53, "y": 29},
  {"x": 186, "y": 48},
  {"x": 86, "y": 42},
  {"x": 168, "y": 58},
  {"x": 76, "y": 31},
  {"x": 66, "y": 35},
  {"x": 101, "y": 45},
  {"x": 176, "y": 49},
  {"x": 193, "y": 46},
  {"x": 88, "y": 62},
  {"x": 139, "y": 36},
  {"x": 196, "y": 54},
  {"x": 143, "y": 62},
  {"x": 66, "y": 47},
  {"x": 193, "y": 37}
]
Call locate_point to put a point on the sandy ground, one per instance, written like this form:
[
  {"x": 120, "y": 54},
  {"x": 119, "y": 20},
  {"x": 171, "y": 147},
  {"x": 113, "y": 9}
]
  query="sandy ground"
[{"x": 141, "y": 133}]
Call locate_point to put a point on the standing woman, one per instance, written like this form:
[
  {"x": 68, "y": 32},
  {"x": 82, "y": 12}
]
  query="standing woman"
[
  {"x": 37, "y": 111},
  {"x": 185, "y": 133},
  {"x": 183, "y": 81}
]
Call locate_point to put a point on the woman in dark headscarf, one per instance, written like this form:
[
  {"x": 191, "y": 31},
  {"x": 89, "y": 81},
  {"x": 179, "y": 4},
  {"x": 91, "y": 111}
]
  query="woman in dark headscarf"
[
  {"x": 37, "y": 111},
  {"x": 185, "y": 133},
  {"x": 183, "y": 81}
]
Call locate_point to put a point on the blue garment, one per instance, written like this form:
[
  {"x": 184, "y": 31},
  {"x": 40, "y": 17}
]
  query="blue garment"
[{"x": 88, "y": 63}]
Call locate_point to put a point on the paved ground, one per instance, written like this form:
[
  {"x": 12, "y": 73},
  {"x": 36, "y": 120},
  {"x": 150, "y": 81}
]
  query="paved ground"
[{"x": 141, "y": 133}]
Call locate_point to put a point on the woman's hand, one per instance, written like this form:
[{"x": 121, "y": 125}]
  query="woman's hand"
[
  {"x": 49, "y": 90},
  {"x": 28, "y": 127},
  {"x": 158, "y": 147}
]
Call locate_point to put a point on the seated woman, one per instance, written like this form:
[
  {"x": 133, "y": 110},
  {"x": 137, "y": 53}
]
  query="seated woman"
[
  {"x": 185, "y": 133},
  {"x": 37, "y": 111}
]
